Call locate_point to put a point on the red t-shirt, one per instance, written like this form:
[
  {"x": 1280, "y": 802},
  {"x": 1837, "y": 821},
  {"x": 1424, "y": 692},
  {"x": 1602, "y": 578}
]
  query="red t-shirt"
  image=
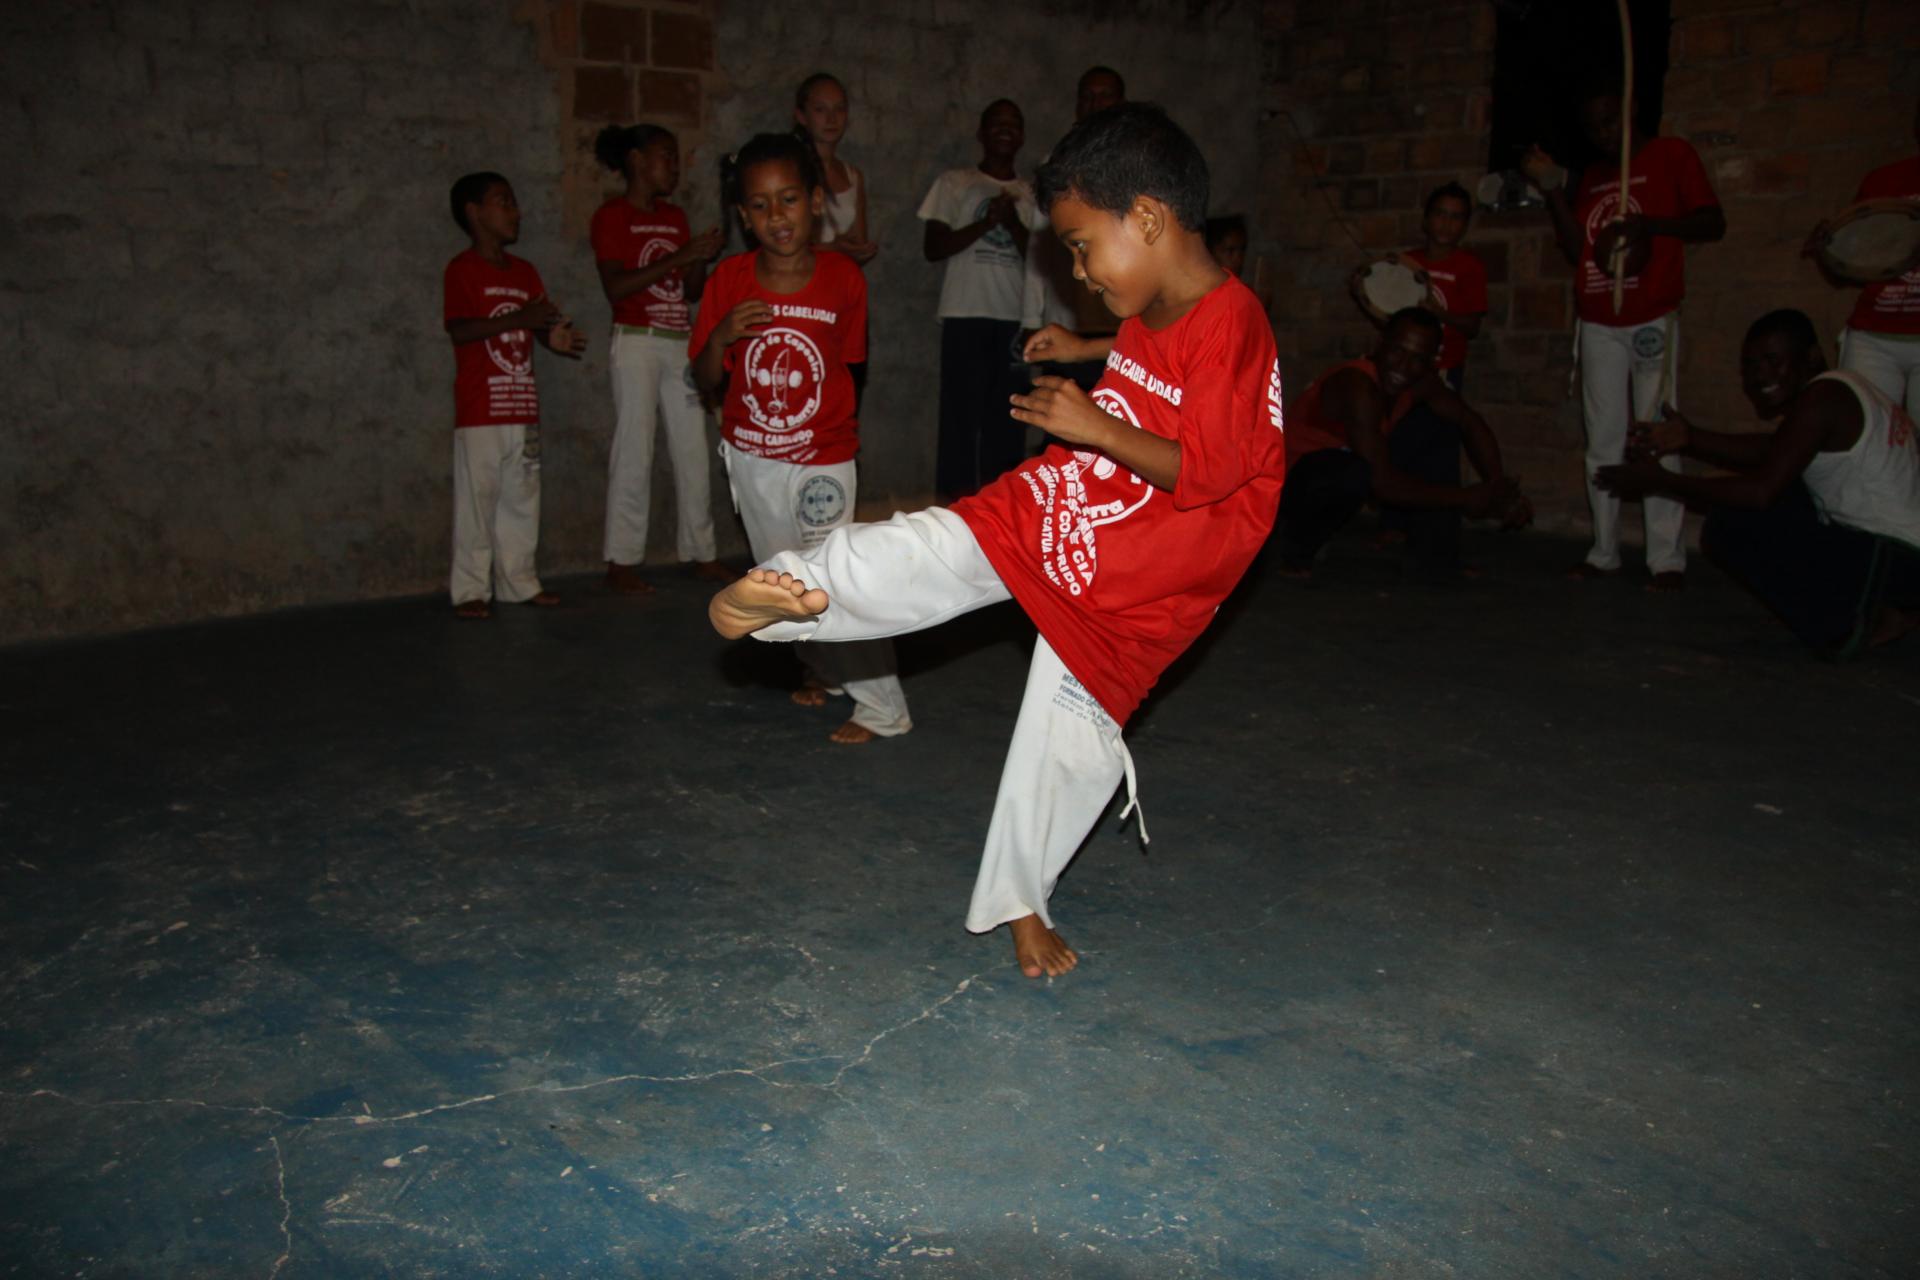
[
  {"x": 1668, "y": 180},
  {"x": 1310, "y": 428},
  {"x": 1459, "y": 282},
  {"x": 789, "y": 395},
  {"x": 1893, "y": 306},
  {"x": 492, "y": 380},
  {"x": 633, "y": 238},
  {"x": 1119, "y": 576}
]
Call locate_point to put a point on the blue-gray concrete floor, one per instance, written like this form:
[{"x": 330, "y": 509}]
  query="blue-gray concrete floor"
[{"x": 1531, "y": 929}]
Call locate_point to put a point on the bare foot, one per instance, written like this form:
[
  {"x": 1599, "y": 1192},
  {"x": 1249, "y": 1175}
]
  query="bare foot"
[
  {"x": 761, "y": 599},
  {"x": 625, "y": 580},
  {"x": 713, "y": 571},
  {"x": 1671, "y": 580},
  {"x": 1039, "y": 949},
  {"x": 543, "y": 599},
  {"x": 1585, "y": 572},
  {"x": 473, "y": 609},
  {"x": 851, "y": 734},
  {"x": 809, "y": 695}
]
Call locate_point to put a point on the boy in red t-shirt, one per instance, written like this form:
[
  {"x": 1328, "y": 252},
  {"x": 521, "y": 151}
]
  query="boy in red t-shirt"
[
  {"x": 1120, "y": 543},
  {"x": 1881, "y": 342},
  {"x": 1628, "y": 357},
  {"x": 492, "y": 305},
  {"x": 1456, "y": 279}
]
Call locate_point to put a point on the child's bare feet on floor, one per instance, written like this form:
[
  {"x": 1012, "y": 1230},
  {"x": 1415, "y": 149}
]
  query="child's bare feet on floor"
[
  {"x": 473, "y": 609},
  {"x": 544, "y": 599},
  {"x": 761, "y": 599},
  {"x": 851, "y": 734},
  {"x": 1039, "y": 949},
  {"x": 809, "y": 695},
  {"x": 625, "y": 580}
]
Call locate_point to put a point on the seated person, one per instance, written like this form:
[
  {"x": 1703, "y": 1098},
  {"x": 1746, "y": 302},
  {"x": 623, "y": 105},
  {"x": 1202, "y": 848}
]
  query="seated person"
[
  {"x": 1386, "y": 427},
  {"x": 1821, "y": 518}
]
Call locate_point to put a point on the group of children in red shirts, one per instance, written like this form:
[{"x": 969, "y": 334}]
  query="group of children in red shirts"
[{"x": 1120, "y": 540}]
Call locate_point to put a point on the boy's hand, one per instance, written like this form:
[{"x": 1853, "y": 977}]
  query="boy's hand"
[
  {"x": 1061, "y": 409},
  {"x": 1650, "y": 440},
  {"x": 567, "y": 340},
  {"x": 1539, "y": 169},
  {"x": 744, "y": 321},
  {"x": 861, "y": 251},
  {"x": 1002, "y": 211},
  {"x": 1057, "y": 344},
  {"x": 702, "y": 247},
  {"x": 538, "y": 315}
]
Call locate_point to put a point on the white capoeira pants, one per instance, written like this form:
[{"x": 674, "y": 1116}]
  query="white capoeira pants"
[
  {"x": 1890, "y": 362},
  {"x": 496, "y": 513},
  {"x": 1066, "y": 757},
  {"x": 1626, "y": 373},
  {"x": 789, "y": 508},
  {"x": 651, "y": 383}
]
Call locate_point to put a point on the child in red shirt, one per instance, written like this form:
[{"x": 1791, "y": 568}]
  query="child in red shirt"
[
  {"x": 1120, "y": 543},
  {"x": 1456, "y": 279},
  {"x": 492, "y": 305},
  {"x": 778, "y": 330},
  {"x": 651, "y": 269}
]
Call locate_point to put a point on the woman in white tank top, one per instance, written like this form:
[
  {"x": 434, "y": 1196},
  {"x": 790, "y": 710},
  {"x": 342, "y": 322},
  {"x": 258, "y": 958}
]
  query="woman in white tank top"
[{"x": 820, "y": 116}]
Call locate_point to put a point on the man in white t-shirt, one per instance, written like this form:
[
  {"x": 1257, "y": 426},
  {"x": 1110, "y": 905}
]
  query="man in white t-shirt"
[
  {"x": 1820, "y": 518},
  {"x": 978, "y": 220}
]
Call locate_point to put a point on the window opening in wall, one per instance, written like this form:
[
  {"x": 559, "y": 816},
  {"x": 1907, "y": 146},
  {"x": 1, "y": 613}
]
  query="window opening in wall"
[{"x": 1547, "y": 56}]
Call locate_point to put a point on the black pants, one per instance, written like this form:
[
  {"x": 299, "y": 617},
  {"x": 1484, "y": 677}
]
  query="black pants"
[
  {"x": 1325, "y": 488},
  {"x": 1825, "y": 581},
  {"x": 978, "y": 438}
]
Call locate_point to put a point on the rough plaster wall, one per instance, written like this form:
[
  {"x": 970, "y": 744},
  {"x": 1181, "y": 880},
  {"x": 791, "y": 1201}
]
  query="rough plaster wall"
[
  {"x": 919, "y": 72},
  {"x": 220, "y": 265}
]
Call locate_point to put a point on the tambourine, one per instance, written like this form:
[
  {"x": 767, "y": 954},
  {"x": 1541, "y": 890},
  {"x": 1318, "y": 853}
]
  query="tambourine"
[
  {"x": 1870, "y": 242},
  {"x": 1391, "y": 285}
]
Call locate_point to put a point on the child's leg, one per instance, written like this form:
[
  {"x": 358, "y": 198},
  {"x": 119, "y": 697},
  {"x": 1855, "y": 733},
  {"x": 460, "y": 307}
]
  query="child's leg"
[
  {"x": 864, "y": 582},
  {"x": 1062, "y": 766},
  {"x": 636, "y": 397},
  {"x": 1605, "y": 359},
  {"x": 1656, "y": 354},
  {"x": 687, "y": 446},
  {"x": 516, "y": 520},
  {"x": 789, "y": 508},
  {"x": 476, "y": 490}
]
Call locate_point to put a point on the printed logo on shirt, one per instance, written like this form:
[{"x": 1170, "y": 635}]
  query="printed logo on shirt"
[
  {"x": 512, "y": 351},
  {"x": 1078, "y": 498},
  {"x": 822, "y": 502},
  {"x": 1899, "y": 427},
  {"x": 785, "y": 376},
  {"x": 672, "y": 288},
  {"x": 997, "y": 236},
  {"x": 1276, "y": 413},
  {"x": 1607, "y": 207}
]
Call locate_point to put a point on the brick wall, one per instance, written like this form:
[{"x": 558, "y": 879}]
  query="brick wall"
[{"x": 1372, "y": 103}]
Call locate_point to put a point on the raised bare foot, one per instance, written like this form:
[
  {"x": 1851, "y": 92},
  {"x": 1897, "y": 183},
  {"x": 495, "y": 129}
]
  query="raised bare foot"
[
  {"x": 851, "y": 734},
  {"x": 543, "y": 599},
  {"x": 473, "y": 609},
  {"x": 809, "y": 695},
  {"x": 761, "y": 599},
  {"x": 713, "y": 571},
  {"x": 1670, "y": 580},
  {"x": 625, "y": 580},
  {"x": 1039, "y": 949}
]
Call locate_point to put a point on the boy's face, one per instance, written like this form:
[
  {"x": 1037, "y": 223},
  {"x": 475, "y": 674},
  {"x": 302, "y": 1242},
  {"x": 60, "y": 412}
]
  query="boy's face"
[
  {"x": 777, "y": 208},
  {"x": 1097, "y": 92},
  {"x": 1112, "y": 253},
  {"x": 497, "y": 214},
  {"x": 1003, "y": 131},
  {"x": 1406, "y": 354},
  {"x": 1446, "y": 222}
]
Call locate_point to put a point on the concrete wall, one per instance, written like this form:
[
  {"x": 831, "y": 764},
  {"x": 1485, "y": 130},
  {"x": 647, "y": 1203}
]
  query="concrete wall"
[
  {"x": 1375, "y": 102},
  {"x": 220, "y": 261}
]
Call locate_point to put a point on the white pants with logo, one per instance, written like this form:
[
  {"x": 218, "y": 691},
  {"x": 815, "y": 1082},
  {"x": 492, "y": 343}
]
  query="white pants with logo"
[
  {"x": 792, "y": 509},
  {"x": 496, "y": 514},
  {"x": 651, "y": 382},
  {"x": 920, "y": 569},
  {"x": 1889, "y": 362},
  {"x": 1626, "y": 372}
]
